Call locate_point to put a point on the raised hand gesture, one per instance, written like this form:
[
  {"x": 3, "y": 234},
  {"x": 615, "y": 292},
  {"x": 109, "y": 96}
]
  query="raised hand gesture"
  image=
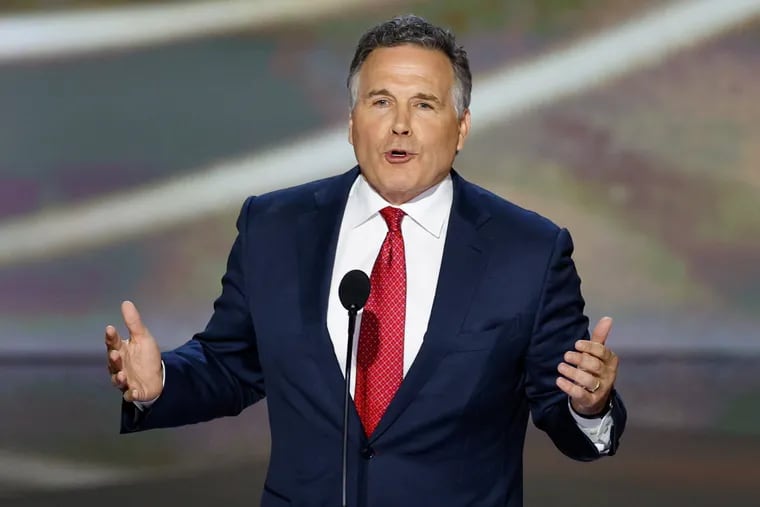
[
  {"x": 590, "y": 371},
  {"x": 134, "y": 364}
]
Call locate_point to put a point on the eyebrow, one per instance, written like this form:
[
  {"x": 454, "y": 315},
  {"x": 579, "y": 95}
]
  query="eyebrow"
[
  {"x": 428, "y": 97},
  {"x": 423, "y": 96}
]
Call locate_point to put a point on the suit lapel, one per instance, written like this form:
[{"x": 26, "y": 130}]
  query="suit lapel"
[
  {"x": 318, "y": 230},
  {"x": 462, "y": 265}
]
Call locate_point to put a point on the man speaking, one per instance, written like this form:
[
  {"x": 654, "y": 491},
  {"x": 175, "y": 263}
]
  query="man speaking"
[{"x": 474, "y": 318}]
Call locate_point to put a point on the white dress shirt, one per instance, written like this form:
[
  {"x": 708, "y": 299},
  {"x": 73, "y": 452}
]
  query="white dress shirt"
[{"x": 362, "y": 232}]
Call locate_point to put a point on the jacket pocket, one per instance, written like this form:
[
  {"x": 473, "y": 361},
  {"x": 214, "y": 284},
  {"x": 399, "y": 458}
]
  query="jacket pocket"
[
  {"x": 271, "y": 498},
  {"x": 485, "y": 339}
]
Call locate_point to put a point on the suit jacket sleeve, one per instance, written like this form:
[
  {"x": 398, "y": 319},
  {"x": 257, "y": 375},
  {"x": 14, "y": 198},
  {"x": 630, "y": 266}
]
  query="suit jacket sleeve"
[
  {"x": 217, "y": 373},
  {"x": 559, "y": 323}
]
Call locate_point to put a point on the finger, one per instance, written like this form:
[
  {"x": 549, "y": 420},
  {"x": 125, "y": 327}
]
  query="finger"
[
  {"x": 601, "y": 330},
  {"x": 113, "y": 340},
  {"x": 594, "y": 348},
  {"x": 114, "y": 361},
  {"x": 584, "y": 379},
  {"x": 119, "y": 380},
  {"x": 131, "y": 395},
  {"x": 573, "y": 390},
  {"x": 132, "y": 320},
  {"x": 585, "y": 362}
]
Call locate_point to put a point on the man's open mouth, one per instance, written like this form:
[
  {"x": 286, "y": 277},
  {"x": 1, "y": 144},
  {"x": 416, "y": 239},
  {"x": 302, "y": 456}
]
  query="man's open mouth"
[{"x": 398, "y": 156}]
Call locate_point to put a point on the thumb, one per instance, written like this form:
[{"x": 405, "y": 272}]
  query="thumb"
[
  {"x": 132, "y": 319},
  {"x": 601, "y": 330}
]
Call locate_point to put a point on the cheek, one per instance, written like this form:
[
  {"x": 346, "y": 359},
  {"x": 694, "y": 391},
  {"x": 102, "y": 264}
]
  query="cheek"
[
  {"x": 365, "y": 134},
  {"x": 443, "y": 140}
]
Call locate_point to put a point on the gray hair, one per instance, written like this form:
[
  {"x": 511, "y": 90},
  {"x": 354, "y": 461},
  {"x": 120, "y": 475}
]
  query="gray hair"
[{"x": 410, "y": 29}]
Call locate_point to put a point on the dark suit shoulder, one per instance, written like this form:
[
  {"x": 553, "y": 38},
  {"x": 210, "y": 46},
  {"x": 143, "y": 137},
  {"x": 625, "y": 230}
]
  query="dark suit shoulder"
[
  {"x": 507, "y": 217},
  {"x": 300, "y": 198},
  {"x": 290, "y": 198}
]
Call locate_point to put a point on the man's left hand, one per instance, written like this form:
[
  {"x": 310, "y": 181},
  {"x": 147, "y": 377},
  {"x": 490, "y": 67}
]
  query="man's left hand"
[{"x": 589, "y": 372}]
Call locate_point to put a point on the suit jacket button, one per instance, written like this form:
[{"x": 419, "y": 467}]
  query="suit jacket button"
[{"x": 367, "y": 452}]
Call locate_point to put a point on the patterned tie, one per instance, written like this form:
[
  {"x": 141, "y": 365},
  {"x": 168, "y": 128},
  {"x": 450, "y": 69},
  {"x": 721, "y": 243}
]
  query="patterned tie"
[{"x": 380, "y": 352}]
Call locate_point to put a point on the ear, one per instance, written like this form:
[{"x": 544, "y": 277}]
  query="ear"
[
  {"x": 351, "y": 128},
  {"x": 464, "y": 129}
]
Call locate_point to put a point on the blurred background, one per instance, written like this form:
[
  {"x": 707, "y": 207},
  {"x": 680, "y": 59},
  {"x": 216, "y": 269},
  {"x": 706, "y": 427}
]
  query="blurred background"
[{"x": 130, "y": 133}]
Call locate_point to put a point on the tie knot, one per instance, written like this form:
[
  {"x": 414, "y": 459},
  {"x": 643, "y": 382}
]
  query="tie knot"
[{"x": 393, "y": 217}]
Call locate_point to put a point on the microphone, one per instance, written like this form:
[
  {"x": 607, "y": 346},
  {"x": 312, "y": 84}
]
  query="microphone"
[{"x": 353, "y": 292}]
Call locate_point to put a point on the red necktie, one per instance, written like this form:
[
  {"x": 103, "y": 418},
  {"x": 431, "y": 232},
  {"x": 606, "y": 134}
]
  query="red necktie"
[{"x": 380, "y": 352}]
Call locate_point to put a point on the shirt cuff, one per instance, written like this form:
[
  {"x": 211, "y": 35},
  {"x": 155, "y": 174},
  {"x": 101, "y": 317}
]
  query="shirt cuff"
[
  {"x": 144, "y": 405},
  {"x": 598, "y": 430}
]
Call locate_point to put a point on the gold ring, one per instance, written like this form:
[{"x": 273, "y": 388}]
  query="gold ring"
[{"x": 596, "y": 387}]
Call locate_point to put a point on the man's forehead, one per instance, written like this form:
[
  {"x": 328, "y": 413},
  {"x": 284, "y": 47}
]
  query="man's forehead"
[{"x": 406, "y": 63}]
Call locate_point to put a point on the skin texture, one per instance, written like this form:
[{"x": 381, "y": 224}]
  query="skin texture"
[{"x": 405, "y": 102}]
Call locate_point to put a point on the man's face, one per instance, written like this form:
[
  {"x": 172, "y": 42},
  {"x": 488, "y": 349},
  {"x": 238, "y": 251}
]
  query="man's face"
[{"x": 404, "y": 127}]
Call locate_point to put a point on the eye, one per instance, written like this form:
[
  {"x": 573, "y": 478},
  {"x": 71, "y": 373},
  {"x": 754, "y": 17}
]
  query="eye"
[
  {"x": 425, "y": 105},
  {"x": 381, "y": 102}
]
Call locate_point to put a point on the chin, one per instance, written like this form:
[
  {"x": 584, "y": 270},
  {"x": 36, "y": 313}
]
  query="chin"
[
  {"x": 397, "y": 185},
  {"x": 399, "y": 194}
]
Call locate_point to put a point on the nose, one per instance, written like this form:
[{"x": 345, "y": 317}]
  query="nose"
[{"x": 401, "y": 126}]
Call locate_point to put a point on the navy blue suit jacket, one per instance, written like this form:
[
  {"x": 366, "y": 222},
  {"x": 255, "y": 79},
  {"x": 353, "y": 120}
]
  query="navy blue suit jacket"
[{"x": 507, "y": 307}]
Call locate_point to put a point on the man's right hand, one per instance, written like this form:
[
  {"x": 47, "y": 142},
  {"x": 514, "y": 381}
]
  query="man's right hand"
[{"x": 134, "y": 364}]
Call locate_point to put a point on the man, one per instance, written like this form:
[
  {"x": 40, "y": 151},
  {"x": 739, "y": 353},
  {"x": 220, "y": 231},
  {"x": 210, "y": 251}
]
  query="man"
[{"x": 475, "y": 315}]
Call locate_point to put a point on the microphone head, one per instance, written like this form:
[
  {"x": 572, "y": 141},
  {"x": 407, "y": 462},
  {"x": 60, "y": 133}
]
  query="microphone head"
[{"x": 354, "y": 290}]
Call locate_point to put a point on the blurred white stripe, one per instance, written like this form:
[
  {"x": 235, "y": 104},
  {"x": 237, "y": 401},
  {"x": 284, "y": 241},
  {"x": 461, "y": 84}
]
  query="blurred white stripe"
[
  {"x": 498, "y": 97},
  {"x": 209, "y": 190},
  {"x": 25, "y": 470},
  {"x": 625, "y": 48},
  {"x": 32, "y": 36}
]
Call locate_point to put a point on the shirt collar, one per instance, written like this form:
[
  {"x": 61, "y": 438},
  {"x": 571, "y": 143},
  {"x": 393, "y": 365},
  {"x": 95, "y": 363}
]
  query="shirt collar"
[{"x": 429, "y": 209}]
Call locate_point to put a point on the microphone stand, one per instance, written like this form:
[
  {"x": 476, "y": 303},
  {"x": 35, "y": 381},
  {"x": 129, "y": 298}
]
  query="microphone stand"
[
  {"x": 353, "y": 292},
  {"x": 347, "y": 399}
]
